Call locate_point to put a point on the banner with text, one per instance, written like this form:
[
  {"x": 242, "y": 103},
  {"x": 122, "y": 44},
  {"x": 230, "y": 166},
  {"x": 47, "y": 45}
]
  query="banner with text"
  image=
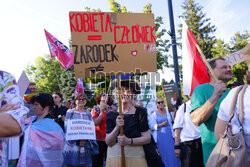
[
  {"x": 112, "y": 43},
  {"x": 79, "y": 129}
]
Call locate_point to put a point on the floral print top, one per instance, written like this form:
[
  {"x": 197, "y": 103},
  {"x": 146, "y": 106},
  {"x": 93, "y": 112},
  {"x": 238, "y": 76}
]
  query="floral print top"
[{"x": 9, "y": 94}]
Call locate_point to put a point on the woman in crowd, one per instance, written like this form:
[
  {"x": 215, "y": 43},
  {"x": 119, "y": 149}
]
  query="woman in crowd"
[
  {"x": 135, "y": 127},
  {"x": 162, "y": 130},
  {"x": 223, "y": 119},
  {"x": 99, "y": 113},
  {"x": 43, "y": 137},
  {"x": 78, "y": 152},
  {"x": 59, "y": 111}
]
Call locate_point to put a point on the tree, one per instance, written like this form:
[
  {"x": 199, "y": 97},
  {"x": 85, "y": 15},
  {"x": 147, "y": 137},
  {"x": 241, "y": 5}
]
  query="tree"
[
  {"x": 68, "y": 82},
  {"x": 44, "y": 75},
  {"x": 220, "y": 49},
  {"x": 239, "y": 41},
  {"x": 200, "y": 26}
]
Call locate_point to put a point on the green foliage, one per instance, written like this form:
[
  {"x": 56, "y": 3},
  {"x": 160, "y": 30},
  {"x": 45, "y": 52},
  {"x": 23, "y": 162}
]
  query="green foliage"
[
  {"x": 43, "y": 73},
  {"x": 68, "y": 82},
  {"x": 220, "y": 49},
  {"x": 237, "y": 42},
  {"x": 239, "y": 71},
  {"x": 200, "y": 26},
  {"x": 115, "y": 6}
]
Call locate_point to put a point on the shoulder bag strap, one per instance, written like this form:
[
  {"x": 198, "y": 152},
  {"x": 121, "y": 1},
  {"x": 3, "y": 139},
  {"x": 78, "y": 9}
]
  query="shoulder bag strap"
[
  {"x": 184, "y": 107},
  {"x": 241, "y": 104},
  {"x": 232, "y": 107}
]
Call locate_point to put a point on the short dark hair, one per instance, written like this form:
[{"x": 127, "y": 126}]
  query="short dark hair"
[
  {"x": 59, "y": 94},
  {"x": 213, "y": 64},
  {"x": 44, "y": 99},
  {"x": 109, "y": 101},
  {"x": 32, "y": 83},
  {"x": 80, "y": 95}
]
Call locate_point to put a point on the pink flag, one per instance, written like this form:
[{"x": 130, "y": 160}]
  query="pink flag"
[
  {"x": 59, "y": 50},
  {"x": 79, "y": 87},
  {"x": 194, "y": 69}
]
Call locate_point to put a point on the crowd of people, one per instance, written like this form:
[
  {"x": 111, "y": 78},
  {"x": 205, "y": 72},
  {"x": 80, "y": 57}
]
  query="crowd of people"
[{"x": 42, "y": 124}]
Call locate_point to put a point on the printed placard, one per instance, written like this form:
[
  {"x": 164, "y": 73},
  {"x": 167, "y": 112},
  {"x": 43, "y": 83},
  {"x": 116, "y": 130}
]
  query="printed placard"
[
  {"x": 171, "y": 94},
  {"x": 79, "y": 129},
  {"x": 109, "y": 43}
]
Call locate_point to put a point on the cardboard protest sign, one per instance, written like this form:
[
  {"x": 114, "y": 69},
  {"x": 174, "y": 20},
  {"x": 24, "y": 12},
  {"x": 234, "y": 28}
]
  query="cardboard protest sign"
[
  {"x": 78, "y": 129},
  {"x": 240, "y": 56},
  {"x": 23, "y": 83},
  {"x": 107, "y": 43},
  {"x": 171, "y": 94}
]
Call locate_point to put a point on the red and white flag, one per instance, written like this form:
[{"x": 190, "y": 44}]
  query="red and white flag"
[
  {"x": 194, "y": 69},
  {"x": 79, "y": 87},
  {"x": 59, "y": 50}
]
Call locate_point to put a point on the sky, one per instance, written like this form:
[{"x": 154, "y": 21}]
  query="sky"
[{"x": 22, "y": 37}]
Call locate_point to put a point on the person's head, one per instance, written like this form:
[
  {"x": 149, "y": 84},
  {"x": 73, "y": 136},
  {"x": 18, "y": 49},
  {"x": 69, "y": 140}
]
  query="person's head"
[
  {"x": 32, "y": 86},
  {"x": 57, "y": 98},
  {"x": 42, "y": 103},
  {"x": 129, "y": 88},
  {"x": 160, "y": 103},
  {"x": 221, "y": 69},
  {"x": 104, "y": 98},
  {"x": 139, "y": 103},
  {"x": 80, "y": 100}
]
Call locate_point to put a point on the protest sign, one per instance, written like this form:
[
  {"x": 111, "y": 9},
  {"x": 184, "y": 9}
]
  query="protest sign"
[
  {"x": 23, "y": 83},
  {"x": 239, "y": 56},
  {"x": 171, "y": 94},
  {"x": 79, "y": 129},
  {"x": 112, "y": 43},
  {"x": 148, "y": 97}
]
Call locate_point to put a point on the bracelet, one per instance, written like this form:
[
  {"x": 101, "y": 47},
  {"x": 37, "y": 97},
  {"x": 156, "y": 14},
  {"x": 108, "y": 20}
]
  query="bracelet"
[
  {"x": 177, "y": 147},
  {"x": 131, "y": 141}
]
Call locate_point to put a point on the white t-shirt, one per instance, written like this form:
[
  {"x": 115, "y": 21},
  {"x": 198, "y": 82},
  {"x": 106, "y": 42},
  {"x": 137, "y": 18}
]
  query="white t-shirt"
[
  {"x": 183, "y": 120},
  {"x": 224, "y": 113}
]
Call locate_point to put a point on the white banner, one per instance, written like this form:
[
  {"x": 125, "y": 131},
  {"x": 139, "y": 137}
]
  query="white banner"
[{"x": 78, "y": 129}]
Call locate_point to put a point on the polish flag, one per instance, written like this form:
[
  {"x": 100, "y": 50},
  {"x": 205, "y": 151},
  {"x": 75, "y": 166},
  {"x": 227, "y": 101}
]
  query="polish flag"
[
  {"x": 59, "y": 50},
  {"x": 194, "y": 69}
]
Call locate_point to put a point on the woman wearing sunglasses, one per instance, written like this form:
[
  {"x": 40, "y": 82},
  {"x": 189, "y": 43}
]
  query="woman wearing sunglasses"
[
  {"x": 78, "y": 152},
  {"x": 162, "y": 131}
]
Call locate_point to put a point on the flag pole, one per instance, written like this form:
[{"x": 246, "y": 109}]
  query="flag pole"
[
  {"x": 206, "y": 62},
  {"x": 120, "y": 113},
  {"x": 57, "y": 76},
  {"x": 174, "y": 50}
]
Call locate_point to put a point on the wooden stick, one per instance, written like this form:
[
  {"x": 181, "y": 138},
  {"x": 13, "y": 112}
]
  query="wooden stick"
[
  {"x": 120, "y": 113},
  {"x": 207, "y": 64}
]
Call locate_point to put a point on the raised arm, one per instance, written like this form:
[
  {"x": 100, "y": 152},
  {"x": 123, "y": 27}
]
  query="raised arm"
[{"x": 203, "y": 113}]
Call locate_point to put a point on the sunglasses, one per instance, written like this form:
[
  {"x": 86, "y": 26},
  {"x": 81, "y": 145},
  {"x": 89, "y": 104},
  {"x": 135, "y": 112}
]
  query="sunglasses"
[
  {"x": 55, "y": 97},
  {"x": 160, "y": 102}
]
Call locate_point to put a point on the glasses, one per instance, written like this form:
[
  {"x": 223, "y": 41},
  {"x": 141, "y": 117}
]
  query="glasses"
[
  {"x": 81, "y": 99},
  {"x": 160, "y": 102},
  {"x": 55, "y": 97}
]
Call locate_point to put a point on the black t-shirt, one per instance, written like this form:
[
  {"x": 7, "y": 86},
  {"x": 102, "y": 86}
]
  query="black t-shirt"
[
  {"x": 57, "y": 113},
  {"x": 134, "y": 124}
]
